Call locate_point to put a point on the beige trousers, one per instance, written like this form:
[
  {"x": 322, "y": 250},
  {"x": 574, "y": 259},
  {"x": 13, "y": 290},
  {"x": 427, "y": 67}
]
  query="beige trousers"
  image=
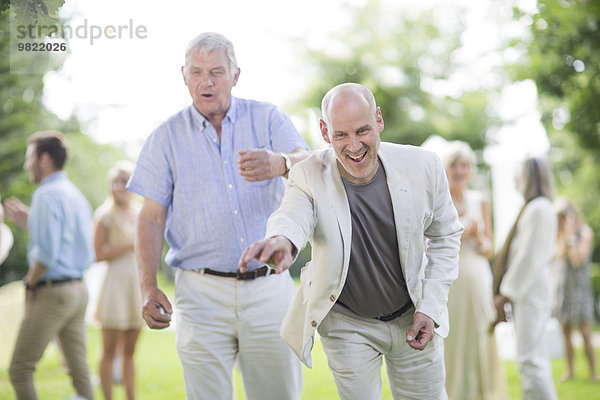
[
  {"x": 220, "y": 321},
  {"x": 355, "y": 347},
  {"x": 54, "y": 311}
]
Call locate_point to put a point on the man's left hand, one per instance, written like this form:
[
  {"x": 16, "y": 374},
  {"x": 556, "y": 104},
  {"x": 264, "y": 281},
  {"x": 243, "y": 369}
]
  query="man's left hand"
[
  {"x": 260, "y": 164},
  {"x": 421, "y": 331}
]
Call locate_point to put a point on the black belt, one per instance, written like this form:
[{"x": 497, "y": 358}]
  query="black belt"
[
  {"x": 395, "y": 314},
  {"x": 52, "y": 282},
  {"x": 240, "y": 276},
  {"x": 387, "y": 317}
]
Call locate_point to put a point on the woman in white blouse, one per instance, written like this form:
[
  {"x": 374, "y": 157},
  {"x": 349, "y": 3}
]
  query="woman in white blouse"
[{"x": 526, "y": 278}]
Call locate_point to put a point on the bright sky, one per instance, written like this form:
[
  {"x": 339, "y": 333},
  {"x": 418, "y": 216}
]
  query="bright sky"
[{"x": 122, "y": 89}]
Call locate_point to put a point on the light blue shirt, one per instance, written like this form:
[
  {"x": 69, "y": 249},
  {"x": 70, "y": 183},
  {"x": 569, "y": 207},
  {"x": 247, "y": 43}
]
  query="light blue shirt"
[
  {"x": 213, "y": 213},
  {"x": 60, "y": 228}
]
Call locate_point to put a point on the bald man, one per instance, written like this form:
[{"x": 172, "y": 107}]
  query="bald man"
[{"x": 369, "y": 290}]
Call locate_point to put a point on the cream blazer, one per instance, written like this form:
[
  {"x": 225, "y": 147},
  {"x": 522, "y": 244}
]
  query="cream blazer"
[{"x": 315, "y": 208}]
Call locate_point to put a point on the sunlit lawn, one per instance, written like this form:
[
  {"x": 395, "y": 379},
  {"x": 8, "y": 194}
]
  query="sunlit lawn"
[{"x": 159, "y": 374}]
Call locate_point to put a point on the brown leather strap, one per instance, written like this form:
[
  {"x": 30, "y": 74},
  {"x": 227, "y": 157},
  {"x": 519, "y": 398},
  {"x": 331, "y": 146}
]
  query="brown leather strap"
[{"x": 241, "y": 276}]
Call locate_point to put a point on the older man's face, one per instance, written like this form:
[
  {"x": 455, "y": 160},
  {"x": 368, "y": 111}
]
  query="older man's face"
[
  {"x": 209, "y": 79},
  {"x": 353, "y": 131}
]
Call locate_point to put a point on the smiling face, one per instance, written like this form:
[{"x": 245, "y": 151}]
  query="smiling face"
[
  {"x": 209, "y": 79},
  {"x": 118, "y": 183},
  {"x": 353, "y": 127},
  {"x": 459, "y": 173}
]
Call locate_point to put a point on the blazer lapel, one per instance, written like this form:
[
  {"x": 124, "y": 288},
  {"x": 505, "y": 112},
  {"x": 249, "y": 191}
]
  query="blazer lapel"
[
  {"x": 338, "y": 203},
  {"x": 401, "y": 201}
]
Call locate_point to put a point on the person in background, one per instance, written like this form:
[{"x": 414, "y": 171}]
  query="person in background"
[
  {"x": 211, "y": 175},
  {"x": 575, "y": 299},
  {"x": 60, "y": 249},
  {"x": 6, "y": 237},
  {"x": 522, "y": 277},
  {"x": 473, "y": 368},
  {"x": 366, "y": 206},
  {"x": 119, "y": 307}
]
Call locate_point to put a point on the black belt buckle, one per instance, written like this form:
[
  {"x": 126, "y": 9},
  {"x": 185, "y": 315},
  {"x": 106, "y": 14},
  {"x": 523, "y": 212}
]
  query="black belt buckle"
[{"x": 246, "y": 276}]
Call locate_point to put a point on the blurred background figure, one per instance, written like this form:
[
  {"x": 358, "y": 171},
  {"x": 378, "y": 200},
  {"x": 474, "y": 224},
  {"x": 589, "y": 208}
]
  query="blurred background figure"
[
  {"x": 6, "y": 237},
  {"x": 473, "y": 368},
  {"x": 119, "y": 306},
  {"x": 522, "y": 277},
  {"x": 574, "y": 300}
]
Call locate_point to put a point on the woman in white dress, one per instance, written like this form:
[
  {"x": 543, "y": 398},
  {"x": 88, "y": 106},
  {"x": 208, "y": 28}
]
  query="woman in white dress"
[
  {"x": 522, "y": 277},
  {"x": 473, "y": 368},
  {"x": 119, "y": 303}
]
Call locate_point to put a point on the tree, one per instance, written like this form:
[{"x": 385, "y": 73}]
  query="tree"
[
  {"x": 22, "y": 112},
  {"x": 562, "y": 58},
  {"x": 400, "y": 55}
]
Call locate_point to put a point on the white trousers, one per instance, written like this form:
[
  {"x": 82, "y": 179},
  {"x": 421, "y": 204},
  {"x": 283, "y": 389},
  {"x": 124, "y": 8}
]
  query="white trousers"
[
  {"x": 355, "y": 345},
  {"x": 221, "y": 319},
  {"x": 535, "y": 369}
]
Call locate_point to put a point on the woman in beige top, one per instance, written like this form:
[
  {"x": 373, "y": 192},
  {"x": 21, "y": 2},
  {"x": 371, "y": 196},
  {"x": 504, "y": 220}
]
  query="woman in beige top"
[{"x": 119, "y": 304}]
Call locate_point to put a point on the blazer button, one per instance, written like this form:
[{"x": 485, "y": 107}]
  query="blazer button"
[
  {"x": 332, "y": 298},
  {"x": 314, "y": 324}
]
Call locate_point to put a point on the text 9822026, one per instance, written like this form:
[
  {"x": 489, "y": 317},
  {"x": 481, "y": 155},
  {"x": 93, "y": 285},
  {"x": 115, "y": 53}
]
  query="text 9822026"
[{"x": 35, "y": 46}]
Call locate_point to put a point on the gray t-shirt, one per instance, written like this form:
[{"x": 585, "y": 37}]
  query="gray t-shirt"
[{"x": 375, "y": 285}]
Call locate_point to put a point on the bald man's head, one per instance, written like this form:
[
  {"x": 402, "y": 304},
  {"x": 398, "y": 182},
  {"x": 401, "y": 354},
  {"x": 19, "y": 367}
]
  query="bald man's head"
[{"x": 341, "y": 95}]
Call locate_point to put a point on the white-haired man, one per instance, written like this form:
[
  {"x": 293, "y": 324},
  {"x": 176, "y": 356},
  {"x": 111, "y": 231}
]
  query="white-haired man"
[{"x": 211, "y": 175}]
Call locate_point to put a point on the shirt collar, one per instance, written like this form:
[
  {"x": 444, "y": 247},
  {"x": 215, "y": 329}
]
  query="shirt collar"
[
  {"x": 203, "y": 122},
  {"x": 55, "y": 176}
]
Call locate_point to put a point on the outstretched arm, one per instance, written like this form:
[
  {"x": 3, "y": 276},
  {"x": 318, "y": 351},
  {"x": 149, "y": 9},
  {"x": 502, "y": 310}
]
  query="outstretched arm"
[{"x": 276, "y": 251}]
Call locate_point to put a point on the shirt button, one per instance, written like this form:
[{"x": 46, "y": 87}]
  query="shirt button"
[
  {"x": 314, "y": 324},
  {"x": 242, "y": 240},
  {"x": 235, "y": 212},
  {"x": 332, "y": 298},
  {"x": 230, "y": 186}
]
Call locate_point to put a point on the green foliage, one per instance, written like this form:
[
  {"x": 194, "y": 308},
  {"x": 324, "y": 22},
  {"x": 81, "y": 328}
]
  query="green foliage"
[
  {"x": 34, "y": 12},
  {"x": 563, "y": 60},
  {"x": 397, "y": 53},
  {"x": 22, "y": 112}
]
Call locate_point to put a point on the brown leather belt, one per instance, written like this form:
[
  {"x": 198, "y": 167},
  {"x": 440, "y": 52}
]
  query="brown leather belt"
[{"x": 240, "y": 276}]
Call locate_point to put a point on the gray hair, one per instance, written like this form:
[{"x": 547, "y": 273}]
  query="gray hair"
[
  {"x": 347, "y": 88},
  {"x": 538, "y": 179},
  {"x": 209, "y": 41},
  {"x": 457, "y": 150}
]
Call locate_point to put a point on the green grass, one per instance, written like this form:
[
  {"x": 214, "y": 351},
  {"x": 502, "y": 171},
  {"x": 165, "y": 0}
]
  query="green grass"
[{"x": 159, "y": 376}]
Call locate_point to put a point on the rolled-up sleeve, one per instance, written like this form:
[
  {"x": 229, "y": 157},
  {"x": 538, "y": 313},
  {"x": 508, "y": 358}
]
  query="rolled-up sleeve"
[{"x": 153, "y": 176}]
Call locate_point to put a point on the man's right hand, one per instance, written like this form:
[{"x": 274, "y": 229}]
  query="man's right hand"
[
  {"x": 275, "y": 251},
  {"x": 153, "y": 299}
]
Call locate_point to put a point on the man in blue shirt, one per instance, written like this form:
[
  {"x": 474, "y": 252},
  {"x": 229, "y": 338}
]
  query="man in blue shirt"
[
  {"x": 60, "y": 249},
  {"x": 211, "y": 176}
]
